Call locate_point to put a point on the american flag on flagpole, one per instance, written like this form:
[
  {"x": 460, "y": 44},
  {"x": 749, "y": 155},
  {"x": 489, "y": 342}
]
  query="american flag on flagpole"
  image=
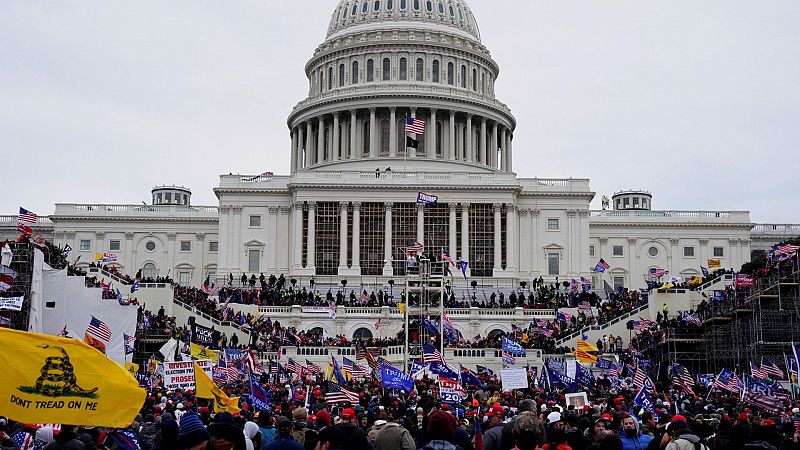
[
  {"x": 757, "y": 372},
  {"x": 293, "y": 366},
  {"x": 771, "y": 368},
  {"x": 416, "y": 247},
  {"x": 99, "y": 329},
  {"x": 313, "y": 369},
  {"x": 338, "y": 394},
  {"x": 431, "y": 354},
  {"x": 414, "y": 125},
  {"x": 26, "y": 216},
  {"x": 682, "y": 379},
  {"x": 368, "y": 355}
]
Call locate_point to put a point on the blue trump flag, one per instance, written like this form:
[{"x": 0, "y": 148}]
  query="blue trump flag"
[
  {"x": 258, "y": 395},
  {"x": 463, "y": 265},
  {"x": 443, "y": 370},
  {"x": 513, "y": 347},
  {"x": 393, "y": 378},
  {"x": 469, "y": 378},
  {"x": 644, "y": 401}
]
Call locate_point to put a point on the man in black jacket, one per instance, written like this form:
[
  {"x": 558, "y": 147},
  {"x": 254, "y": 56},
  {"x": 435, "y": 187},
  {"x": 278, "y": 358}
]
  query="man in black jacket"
[{"x": 355, "y": 438}]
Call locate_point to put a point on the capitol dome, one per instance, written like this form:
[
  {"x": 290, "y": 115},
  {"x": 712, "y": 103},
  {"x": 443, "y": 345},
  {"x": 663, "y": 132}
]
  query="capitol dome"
[
  {"x": 383, "y": 61},
  {"x": 352, "y": 15}
]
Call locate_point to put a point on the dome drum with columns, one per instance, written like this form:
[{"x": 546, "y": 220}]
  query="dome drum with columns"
[{"x": 392, "y": 60}]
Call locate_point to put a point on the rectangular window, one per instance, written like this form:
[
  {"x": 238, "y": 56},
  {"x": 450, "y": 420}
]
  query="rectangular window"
[
  {"x": 552, "y": 224},
  {"x": 591, "y": 250},
  {"x": 213, "y": 246},
  {"x": 719, "y": 252},
  {"x": 619, "y": 283},
  {"x": 86, "y": 244},
  {"x": 254, "y": 261},
  {"x": 255, "y": 221},
  {"x": 552, "y": 263},
  {"x": 617, "y": 250},
  {"x": 113, "y": 245},
  {"x": 183, "y": 278},
  {"x": 168, "y": 197},
  {"x": 688, "y": 252},
  {"x": 186, "y": 246}
]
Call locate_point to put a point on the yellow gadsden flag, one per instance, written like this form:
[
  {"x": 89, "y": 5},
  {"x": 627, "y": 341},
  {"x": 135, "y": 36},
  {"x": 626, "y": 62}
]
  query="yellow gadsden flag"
[
  {"x": 200, "y": 352},
  {"x": 205, "y": 388},
  {"x": 48, "y": 379}
]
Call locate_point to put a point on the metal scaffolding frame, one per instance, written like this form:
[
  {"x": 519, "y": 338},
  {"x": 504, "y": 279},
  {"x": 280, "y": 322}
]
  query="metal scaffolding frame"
[{"x": 425, "y": 294}]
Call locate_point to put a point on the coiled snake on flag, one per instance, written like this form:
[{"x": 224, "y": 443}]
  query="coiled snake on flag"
[{"x": 58, "y": 376}]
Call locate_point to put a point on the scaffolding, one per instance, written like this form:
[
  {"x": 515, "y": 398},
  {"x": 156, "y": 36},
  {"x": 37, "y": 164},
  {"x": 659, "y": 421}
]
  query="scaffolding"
[
  {"x": 22, "y": 264},
  {"x": 425, "y": 291},
  {"x": 759, "y": 323}
]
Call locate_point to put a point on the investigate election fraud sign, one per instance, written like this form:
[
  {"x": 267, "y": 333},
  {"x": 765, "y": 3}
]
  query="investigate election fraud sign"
[
  {"x": 49, "y": 379},
  {"x": 180, "y": 375}
]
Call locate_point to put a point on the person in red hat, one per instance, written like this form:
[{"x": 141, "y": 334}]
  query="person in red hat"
[
  {"x": 494, "y": 433},
  {"x": 355, "y": 438}
]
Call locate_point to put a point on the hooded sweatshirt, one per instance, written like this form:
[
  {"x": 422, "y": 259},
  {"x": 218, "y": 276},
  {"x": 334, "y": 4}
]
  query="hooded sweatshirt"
[
  {"x": 638, "y": 441},
  {"x": 686, "y": 441}
]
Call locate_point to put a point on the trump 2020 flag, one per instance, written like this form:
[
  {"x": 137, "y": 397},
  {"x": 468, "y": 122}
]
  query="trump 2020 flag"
[
  {"x": 644, "y": 401},
  {"x": 49, "y": 379},
  {"x": 513, "y": 347},
  {"x": 393, "y": 378}
]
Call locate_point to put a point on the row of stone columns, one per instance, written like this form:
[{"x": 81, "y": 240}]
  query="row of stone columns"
[
  {"x": 308, "y": 151},
  {"x": 355, "y": 267}
]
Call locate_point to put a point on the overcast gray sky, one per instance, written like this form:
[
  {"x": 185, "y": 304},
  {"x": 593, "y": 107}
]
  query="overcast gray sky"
[{"x": 695, "y": 101}]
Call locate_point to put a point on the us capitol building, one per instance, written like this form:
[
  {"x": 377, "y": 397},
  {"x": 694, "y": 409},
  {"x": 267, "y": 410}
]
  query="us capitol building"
[{"x": 347, "y": 208}]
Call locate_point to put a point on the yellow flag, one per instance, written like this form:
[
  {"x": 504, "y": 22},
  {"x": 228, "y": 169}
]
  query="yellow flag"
[
  {"x": 205, "y": 388},
  {"x": 132, "y": 368},
  {"x": 152, "y": 365},
  {"x": 402, "y": 307},
  {"x": 584, "y": 357},
  {"x": 587, "y": 347},
  {"x": 714, "y": 263},
  {"x": 48, "y": 379},
  {"x": 200, "y": 352},
  {"x": 98, "y": 256}
]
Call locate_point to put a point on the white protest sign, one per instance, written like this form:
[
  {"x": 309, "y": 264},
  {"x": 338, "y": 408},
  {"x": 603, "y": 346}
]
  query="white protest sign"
[
  {"x": 180, "y": 375},
  {"x": 11, "y": 303},
  {"x": 514, "y": 378}
]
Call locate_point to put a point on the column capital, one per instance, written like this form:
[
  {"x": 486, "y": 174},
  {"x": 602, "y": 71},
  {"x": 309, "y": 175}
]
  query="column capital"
[
  {"x": 510, "y": 207},
  {"x": 523, "y": 212},
  {"x": 535, "y": 212},
  {"x": 298, "y": 205},
  {"x": 172, "y": 236},
  {"x": 733, "y": 242},
  {"x": 632, "y": 241},
  {"x": 70, "y": 235},
  {"x": 321, "y": 117},
  {"x": 273, "y": 209},
  {"x": 452, "y": 113},
  {"x": 284, "y": 209},
  {"x": 356, "y": 206},
  {"x": 744, "y": 241},
  {"x": 452, "y": 206},
  {"x": 603, "y": 240},
  {"x": 703, "y": 241},
  {"x": 237, "y": 209},
  {"x": 372, "y": 110},
  {"x": 312, "y": 205},
  {"x": 200, "y": 236},
  {"x": 100, "y": 234},
  {"x": 344, "y": 206},
  {"x": 420, "y": 207},
  {"x": 469, "y": 116},
  {"x": 353, "y": 112},
  {"x": 393, "y": 109},
  {"x": 335, "y": 115},
  {"x": 129, "y": 235},
  {"x": 413, "y": 110},
  {"x": 465, "y": 206},
  {"x": 433, "y": 111},
  {"x": 583, "y": 212},
  {"x": 483, "y": 120},
  {"x": 224, "y": 208},
  {"x": 571, "y": 212},
  {"x": 497, "y": 207},
  {"x": 388, "y": 205}
]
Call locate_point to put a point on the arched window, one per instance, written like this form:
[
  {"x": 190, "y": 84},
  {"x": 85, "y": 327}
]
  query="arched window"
[
  {"x": 321, "y": 80},
  {"x": 475, "y": 80},
  {"x": 326, "y": 147},
  {"x": 403, "y": 69},
  {"x": 354, "y": 73},
  {"x": 420, "y": 70},
  {"x": 416, "y": 5},
  {"x": 316, "y": 331},
  {"x": 439, "y": 139},
  {"x": 384, "y": 137},
  {"x": 483, "y": 83},
  {"x": 452, "y": 12},
  {"x": 387, "y": 69},
  {"x": 376, "y": 6},
  {"x": 362, "y": 333},
  {"x": 435, "y": 71},
  {"x": 495, "y": 334},
  {"x": 355, "y": 9},
  {"x": 341, "y": 75},
  {"x": 365, "y": 7},
  {"x": 149, "y": 270},
  {"x": 366, "y": 136},
  {"x": 464, "y": 77},
  {"x": 460, "y": 14},
  {"x": 370, "y": 70},
  {"x": 429, "y": 5},
  {"x": 450, "y": 74},
  {"x": 389, "y": 5},
  {"x": 403, "y": 5},
  {"x": 330, "y": 78},
  {"x": 441, "y": 8}
]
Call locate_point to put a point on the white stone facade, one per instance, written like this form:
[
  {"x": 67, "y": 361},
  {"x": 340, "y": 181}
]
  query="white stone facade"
[{"x": 341, "y": 213}]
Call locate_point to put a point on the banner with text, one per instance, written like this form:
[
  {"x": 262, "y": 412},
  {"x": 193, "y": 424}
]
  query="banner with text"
[
  {"x": 11, "y": 303},
  {"x": 180, "y": 375}
]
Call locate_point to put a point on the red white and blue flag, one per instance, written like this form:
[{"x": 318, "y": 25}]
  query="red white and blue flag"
[
  {"x": 414, "y": 125},
  {"x": 97, "y": 328},
  {"x": 26, "y": 217}
]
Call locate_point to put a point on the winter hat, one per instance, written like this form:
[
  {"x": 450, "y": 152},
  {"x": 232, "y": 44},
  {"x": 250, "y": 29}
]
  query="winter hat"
[
  {"x": 441, "y": 426},
  {"x": 192, "y": 431},
  {"x": 324, "y": 417}
]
